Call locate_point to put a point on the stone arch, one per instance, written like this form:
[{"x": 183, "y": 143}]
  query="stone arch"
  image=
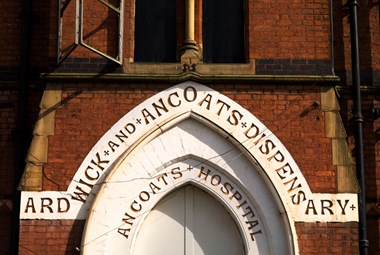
[
  {"x": 160, "y": 113},
  {"x": 144, "y": 127},
  {"x": 203, "y": 158},
  {"x": 190, "y": 99}
]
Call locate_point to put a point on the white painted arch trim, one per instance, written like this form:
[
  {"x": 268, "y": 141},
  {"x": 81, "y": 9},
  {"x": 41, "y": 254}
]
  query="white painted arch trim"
[
  {"x": 197, "y": 155},
  {"x": 222, "y": 114},
  {"x": 267, "y": 161}
]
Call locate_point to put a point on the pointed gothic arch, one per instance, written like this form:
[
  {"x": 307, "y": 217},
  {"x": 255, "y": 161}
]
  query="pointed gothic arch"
[
  {"x": 142, "y": 138},
  {"x": 236, "y": 159},
  {"x": 187, "y": 153}
]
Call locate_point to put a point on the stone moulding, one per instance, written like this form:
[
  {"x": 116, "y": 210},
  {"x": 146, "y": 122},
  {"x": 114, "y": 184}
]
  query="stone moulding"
[
  {"x": 196, "y": 77},
  {"x": 38, "y": 150},
  {"x": 341, "y": 156}
]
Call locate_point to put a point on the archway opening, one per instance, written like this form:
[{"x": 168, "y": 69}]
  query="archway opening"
[
  {"x": 187, "y": 153},
  {"x": 189, "y": 221}
]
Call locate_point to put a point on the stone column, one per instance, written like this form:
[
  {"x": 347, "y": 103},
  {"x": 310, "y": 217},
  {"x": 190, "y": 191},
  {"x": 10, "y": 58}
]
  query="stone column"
[
  {"x": 190, "y": 55},
  {"x": 189, "y": 26}
]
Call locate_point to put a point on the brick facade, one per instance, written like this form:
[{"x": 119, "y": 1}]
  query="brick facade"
[{"x": 287, "y": 41}]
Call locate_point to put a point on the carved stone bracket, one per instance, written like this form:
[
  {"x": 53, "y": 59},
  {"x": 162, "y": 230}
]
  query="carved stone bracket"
[{"x": 191, "y": 55}]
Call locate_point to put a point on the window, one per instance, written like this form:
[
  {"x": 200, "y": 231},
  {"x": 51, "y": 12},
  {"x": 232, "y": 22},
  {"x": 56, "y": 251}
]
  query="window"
[
  {"x": 159, "y": 23},
  {"x": 223, "y": 31},
  {"x": 155, "y": 31},
  {"x": 83, "y": 26}
]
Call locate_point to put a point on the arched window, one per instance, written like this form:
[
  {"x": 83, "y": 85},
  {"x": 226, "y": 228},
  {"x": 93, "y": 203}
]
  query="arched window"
[
  {"x": 223, "y": 31},
  {"x": 155, "y": 31},
  {"x": 158, "y": 24}
]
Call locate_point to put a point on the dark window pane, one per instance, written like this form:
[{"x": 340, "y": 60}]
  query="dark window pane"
[
  {"x": 223, "y": 31},
  {"x": 155, "y": 31}
]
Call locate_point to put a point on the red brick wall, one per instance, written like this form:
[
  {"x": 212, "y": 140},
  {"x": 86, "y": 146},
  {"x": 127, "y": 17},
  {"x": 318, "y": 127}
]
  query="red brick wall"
[
  {"x": 328, "y": 238},
  {"x": 46, "y": 237},
  {"x": 285, "y": 110},
  {"x": 276, "y": 29},
  {"x": 295, "y": 29},
  {"x": 369, "y": 36},
  {"x": 289, "y": 29},
  {"x": 11, "y": 27}
]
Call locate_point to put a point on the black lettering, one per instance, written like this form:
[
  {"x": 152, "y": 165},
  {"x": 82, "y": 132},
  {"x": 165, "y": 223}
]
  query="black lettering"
[
  {"x": 99, "y": 161},
  {"x": 46, "y": 205},
  {"x": 254, "y": 233},
  {"x": 249, "y": 212},
  {"x": 206, "y": 99},
  {"x": 121, "y": 136},
  {"x": 292, "y": 186},
  {"x": 235, "y": 121},
  {"x": 279, "y": 160},
  {"x": 129, "y": 219},
  {"x": 217, "y": 178},
  {"x": 112, "y": 145},
  {"x": 81, "y": 195},
  {"x": 154, "y": 187},
  {"x": 267, "y": 147},
  {"x": 88, "y": 176},
  {"x": 221, "y": 108},
  {"x": 310, "y": 206},
  {"x": 162, "y": 177},
  {"x": 260, "y": 138},
  {"x": 203, "y": 173},
  {"x": 284, "y": 170},
  {"x": 176, "y": 174},
  {"x": 146, "y": 115},
  {"x": 30, "y": 204},
  {"x": 299, "y": 197},
  {"x": 162, "y": 107},
  {"x": 326, "y": 204},
  {"x": 187, "y": 96},
  {"x": 134, "y": 208},
  {"x": 62, "y": 209},
  {"x": 130, "y": 128},
  {"x": 252, "y": 224},
  {"x": 171, "y": 102},
  {"x": 343, "y": 207},
  {"x": 236, "y": 195},
  {"x": 226, "y": 188},
  {"x": 255, "y": 131},
  {"x": 146, "y": 196},
  {"x": 124, "y": 231},
  {"x": 244, "y": 203}
]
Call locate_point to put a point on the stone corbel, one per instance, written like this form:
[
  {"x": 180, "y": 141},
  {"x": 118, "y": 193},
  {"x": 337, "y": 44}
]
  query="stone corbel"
[
  {"x": 191, "y": 52},
  {"x": 37, "y": 154}
]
